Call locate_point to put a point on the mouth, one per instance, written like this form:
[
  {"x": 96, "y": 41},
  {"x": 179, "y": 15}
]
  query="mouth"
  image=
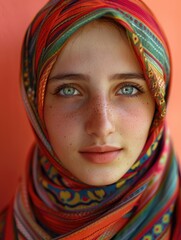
[{"x": 100, "y": 154}]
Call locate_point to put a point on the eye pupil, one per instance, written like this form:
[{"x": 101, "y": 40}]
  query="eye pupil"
[
  {"x": 68, "y": 91},
  {"x": 127, "y": 90}
]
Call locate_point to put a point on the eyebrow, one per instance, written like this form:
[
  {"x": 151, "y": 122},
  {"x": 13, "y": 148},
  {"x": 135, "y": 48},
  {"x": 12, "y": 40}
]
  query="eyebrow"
[
  {"x": 79, "y": 76},
  {"x": 125, "y": 76}
]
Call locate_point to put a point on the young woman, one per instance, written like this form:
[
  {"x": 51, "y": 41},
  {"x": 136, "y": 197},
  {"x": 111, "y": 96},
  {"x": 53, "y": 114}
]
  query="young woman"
[{"x": 95, "y": 83}]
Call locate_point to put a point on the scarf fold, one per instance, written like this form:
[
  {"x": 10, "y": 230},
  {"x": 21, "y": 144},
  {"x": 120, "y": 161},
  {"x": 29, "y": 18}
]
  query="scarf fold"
[{"x": 50, "y": 202}]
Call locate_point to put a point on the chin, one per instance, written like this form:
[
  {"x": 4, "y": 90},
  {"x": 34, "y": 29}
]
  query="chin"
[{"x": 102, "y": 180}]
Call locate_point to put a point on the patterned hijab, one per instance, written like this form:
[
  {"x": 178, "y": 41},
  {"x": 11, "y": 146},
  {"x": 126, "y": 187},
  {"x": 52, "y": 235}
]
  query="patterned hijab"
[{"x": 50, "y": 203}]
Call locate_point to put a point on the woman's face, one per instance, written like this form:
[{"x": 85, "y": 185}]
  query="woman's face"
[{"x": 98, "y": 109}]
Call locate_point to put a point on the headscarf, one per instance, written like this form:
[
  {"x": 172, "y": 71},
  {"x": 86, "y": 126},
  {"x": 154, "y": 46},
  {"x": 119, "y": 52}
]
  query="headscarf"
[{"x": 50, "y": 202}]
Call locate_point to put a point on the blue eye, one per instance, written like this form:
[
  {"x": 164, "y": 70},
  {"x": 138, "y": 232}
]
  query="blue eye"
[
  {"x": 68, "y": 91},
  {"x": 128, "y": 90}
]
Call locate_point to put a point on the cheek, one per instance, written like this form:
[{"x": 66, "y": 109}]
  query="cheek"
[
  {"x": 62, "y": 128},
  {"x": 135, "y": 119}
]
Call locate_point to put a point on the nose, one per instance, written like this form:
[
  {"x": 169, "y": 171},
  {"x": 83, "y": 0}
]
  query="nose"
[{"x": 100, "y": 121}]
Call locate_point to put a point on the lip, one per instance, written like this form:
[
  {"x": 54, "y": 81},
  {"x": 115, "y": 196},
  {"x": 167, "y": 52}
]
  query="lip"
[{"x": 100, "y": 154}]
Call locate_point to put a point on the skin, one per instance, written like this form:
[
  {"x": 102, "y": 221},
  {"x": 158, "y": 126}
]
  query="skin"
[{"x": 96, "y": 95}]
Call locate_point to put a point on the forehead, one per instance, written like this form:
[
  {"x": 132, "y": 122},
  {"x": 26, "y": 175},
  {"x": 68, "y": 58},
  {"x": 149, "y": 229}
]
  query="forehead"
[
  {"x": 95, "y": 33},
  {"x": 99, "y": 40},
  {"x": 105, "y": 27}
]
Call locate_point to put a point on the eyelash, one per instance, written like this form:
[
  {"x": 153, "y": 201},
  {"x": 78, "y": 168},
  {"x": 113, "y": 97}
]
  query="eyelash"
[
  {"x": 63, "y": 86},
  {"x": 136, "y": 86}
]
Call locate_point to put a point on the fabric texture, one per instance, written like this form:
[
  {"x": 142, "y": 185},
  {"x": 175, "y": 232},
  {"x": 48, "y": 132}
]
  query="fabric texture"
[{"x": 51, "y": 203}]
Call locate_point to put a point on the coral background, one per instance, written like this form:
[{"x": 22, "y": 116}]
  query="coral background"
[{"x": 15, "y": 133}]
